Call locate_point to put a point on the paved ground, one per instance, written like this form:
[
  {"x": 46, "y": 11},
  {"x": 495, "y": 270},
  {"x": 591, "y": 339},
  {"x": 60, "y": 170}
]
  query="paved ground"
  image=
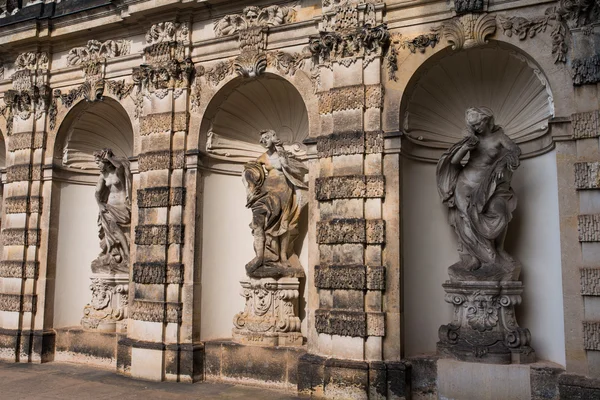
[{"x": 70, "y": 381}]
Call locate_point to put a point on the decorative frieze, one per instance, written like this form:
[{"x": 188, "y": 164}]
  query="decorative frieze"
[
  {"x": 586, "y": 71},
  {"x": 590, "y": 281},
  {"x": 351, "y": 230},
  {"x": 339, "y": 144},
  {"x": 350, "y": 187},
  {"x": 468, "y": 31},
  {"x": 591, "y": 335},
  {"x": 157, "y": 273},
  {"x": 158, "y": 234},
  {"x": 160, "y": 197},
  {"x": 347, "y": 277},
  {"x": 95, "y": 50},
  {"x": 341, "y": 99},
  {"x": 19, "y": 269},
  {"x": 342, "y": 323},
  {"x": 23, "y": 204},
  {"x": 586, "y": 175},
  {"x": 157, "y": 160},
  {"x": 373, "y": 142},
  {"x": 585, "y": 125},
  {"x": 17, "y": 302},
  {"x": 161, "y": 122},
  {"x": 20, "y": 237},
  {"x": 26, "y": 140},
  {"x": 589, "y": 228},
  {"x": 252, "y": 17},
  {"x": 155, "y": 311},
  {"x": 376, "y": 278},
  {"x": 23, "y": 172}
]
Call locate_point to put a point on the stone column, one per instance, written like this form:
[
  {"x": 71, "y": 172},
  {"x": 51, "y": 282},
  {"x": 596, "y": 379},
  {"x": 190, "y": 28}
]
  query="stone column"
[
  {"x": 160, "y": 337},
  {"x": 353, "y": 343},
  {"x": 26, "y": 298}
]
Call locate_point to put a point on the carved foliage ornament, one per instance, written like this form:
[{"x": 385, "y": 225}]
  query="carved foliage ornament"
[
  {"x": 95, "y": 50},
  {"x": 167, "y": 32},
  {"x": 32, "y": 61},
  {"x": 254, "y": 17},
  {"x": 468, "y": 31}
]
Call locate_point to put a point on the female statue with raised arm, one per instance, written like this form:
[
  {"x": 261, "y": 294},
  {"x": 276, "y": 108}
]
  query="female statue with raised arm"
[
  {"x": 274, "y": 192},
  {"x": 480, "y": 199},
  {"x": 113, "y": 195}
]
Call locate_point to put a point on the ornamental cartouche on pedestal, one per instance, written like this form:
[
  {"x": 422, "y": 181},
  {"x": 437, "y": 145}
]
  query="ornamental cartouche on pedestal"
[
  {"x": 110, "y": 270},
  {"x": 276, "y": 194},
  {"x": 483, "y": 285}
]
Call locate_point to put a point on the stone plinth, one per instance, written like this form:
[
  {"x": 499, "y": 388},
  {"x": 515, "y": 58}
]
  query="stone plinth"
[
  {"x": 485, "y": 328},
  {"x": 107, "y": 311},
  {"x": 270, "y": 315}
]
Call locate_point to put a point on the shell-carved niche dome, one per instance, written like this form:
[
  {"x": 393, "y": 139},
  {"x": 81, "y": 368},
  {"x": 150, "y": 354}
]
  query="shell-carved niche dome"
[
  {"x": 99, "y": 125},
  {"x": 257, "y": 104},
  {"x": 503, "y": 80}
]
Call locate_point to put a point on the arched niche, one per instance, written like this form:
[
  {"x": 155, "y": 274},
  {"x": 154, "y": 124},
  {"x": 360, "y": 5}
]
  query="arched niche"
[
  {"x": 432, "y": 110},
  {"x": 88, "y": 127},
  {"x": 497, "y": 76},
  {"x": 229, "y": 136}
]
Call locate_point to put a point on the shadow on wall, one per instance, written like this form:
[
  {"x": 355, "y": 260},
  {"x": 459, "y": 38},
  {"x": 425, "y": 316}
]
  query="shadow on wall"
[{"x": 429, "y": 248}]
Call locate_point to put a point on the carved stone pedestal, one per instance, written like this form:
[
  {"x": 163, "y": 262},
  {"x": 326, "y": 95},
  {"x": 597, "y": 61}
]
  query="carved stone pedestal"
[
  {"x": 270, "y": 315},
  {"x": 485, "y": 328},
  {"x": 107, "y": 312}
]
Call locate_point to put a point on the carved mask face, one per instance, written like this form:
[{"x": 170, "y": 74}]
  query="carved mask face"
[{"x": 252, "y": 18}]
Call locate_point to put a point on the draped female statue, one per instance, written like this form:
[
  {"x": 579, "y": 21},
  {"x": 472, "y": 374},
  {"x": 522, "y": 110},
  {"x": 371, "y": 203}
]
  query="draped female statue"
[
  {"x": 480, "y": 199},
  {"x": 274, "y": 192},
  {"x": 113, "y": 195}
]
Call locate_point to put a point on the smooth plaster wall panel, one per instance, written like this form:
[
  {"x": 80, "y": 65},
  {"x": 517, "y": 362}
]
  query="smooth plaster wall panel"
[
  {"x": 429, "y": 248},
  {"x": 78, "y": 246},
  {"x": 226, "y": 248}
]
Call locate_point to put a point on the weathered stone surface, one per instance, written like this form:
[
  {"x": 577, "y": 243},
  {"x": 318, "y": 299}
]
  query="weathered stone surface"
[
  {"x": 376, "y": 324},
  {"x": 585, "y": 125},
  {"x": 591, "y": 335},
  {"x": 373, "y": 142},
  {"x": 163, "y": 122},
  {"x": 158, "y": 234},
  {"x": 157, "y": 273},
  {"x": 376, "y": 278},
  {"x": 14, "y": 302},
  {"x": 338, "y": 144},
  {"x": 586, "y": 175},
  {"x": 89, "y": 345},
  {"x": 155, "y": 311},
  {"x": 343, "y": 323},
  {"x": 374, "y": 96},
  {"x": 157, "y": 160},
  {"x": 160, "y": 197},
  {"x": 572, "y": 386},
  {"x": 18, "y": 269},
  {"x": 468, "y": 6},
  {"x": 544, "y": 382},
  {"x": 351, "y": 230},
  {"x": 23, "y": 172},
  {"x": 20, "y": 237},
  {"x": 586, "y": 71},
  {"x": 349, "y": 187},
  {"x": 26, "y": 140},
  {"x": 589, "y": 228},
  {"x": 350, "y": 277},
  {"x": 23, "y": 204},
  {"x": 590, "y": 281},
  {"x": 340, "y": 99},
  {"x": 423, "y": 377}
]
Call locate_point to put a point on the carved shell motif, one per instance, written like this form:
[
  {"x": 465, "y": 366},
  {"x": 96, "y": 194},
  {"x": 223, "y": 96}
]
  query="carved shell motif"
[{"x": 506, "y": 82}]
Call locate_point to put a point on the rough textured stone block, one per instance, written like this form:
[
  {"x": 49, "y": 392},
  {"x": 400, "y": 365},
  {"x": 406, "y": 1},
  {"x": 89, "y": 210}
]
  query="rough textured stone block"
[
  {"x": 163, "y": 122},
  {"x": 344, "y": 143},
  {"x": 591, "y": 335},
  {"x": 589, "y": 228},
  {"x": 590, "y": 281},
  {"x": 19, "y": 269},
  {"x": 586, "y": 175},
  {"x": 349, "y": 187},
  {"x": 23, "y": 204},
  {"x": 351, "y": 230},
  {"x": 25, "y": 140},
  {"x": 20, "y": 237},
  {"x": 373, "y": 142},
  {"x": 343, "y": 323},
  {"x": 157, "y": 273},
  {"x": 340, "y": 277},
  {"x": 585, "y": 125},
  {"x": 160, "y": 197},
  {"x": 17, "y": 302},
  {"x": 159, "y": 234},
  {"x": 376, "y": 278},
  {"x": 340, "y": 99},
  {"x": 23, "y": 172},
  {"x": 155, "y": 311},
  {"x": 158, "y": 160}
]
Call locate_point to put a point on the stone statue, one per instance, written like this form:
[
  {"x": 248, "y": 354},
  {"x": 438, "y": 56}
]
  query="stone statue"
[
  {"x": 480, "y": 199},
  {"x": 113, "y": 194},
  {"x": 274, "y": 192}
]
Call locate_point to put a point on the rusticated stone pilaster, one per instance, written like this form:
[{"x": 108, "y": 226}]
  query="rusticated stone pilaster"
[
  {"x": 349, "y": 187},
  {"x": 161, "y": 122},
  {"x": 23, "y": 204},
  {"x": 23, "y": 172},
  {"x": 158, "y": 234},
  {"x": 155, "y": 311},
  {"x": 157, "y": 273},
  {"x": 339, "y": 144},
  {"x": 586, "y": 175},
  {"x": 26, "y": 140},
  {"x": 160, "y": 197},
  {"x": 157, "y": 160},
  {"x": 343, "y": 323},
  {"x": 349, "y": 277},
  {"x": 591, "y": 335},
  {"x": 19, "y": 269},
  {"x": 590, "y": 281},
  {"x": 589, "y": 228},
  {"x": 12, "y": 302},
  {"x": 20, "y": 237},
  {"x": 585, "y": 125}
]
